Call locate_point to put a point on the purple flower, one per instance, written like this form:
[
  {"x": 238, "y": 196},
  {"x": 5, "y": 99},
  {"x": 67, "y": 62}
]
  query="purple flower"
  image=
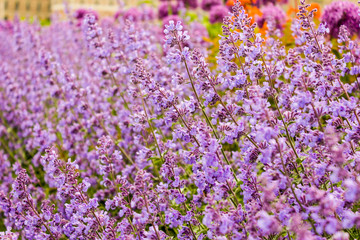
[
  {"x": 353, "y": 191},
  {"x": 79, "y": 14},
  {"x": 174, "y": 35},
  {"x": 272, "y": 13},
  {"x": 132, "y": 14},
  {"x": 260, "y": 3},
  {"x": 174, "y": 18},
  {"x": 208, "y": 4},
  {"x": 340, "y": 13},
  {"x": 123, "y": 131},
  {"x": 267, "y": 223},
  {"x": 190, "y": 3},
  {"x": 167, "y": 8},
  {"x": 8, "y": 235},
  {"x": 6, "y": 26},
  {"x": 147, "y": 13},
  {"x": 341, "y": 236},
  {"x": 217, "y": 13},
  {"x": 144, "y": 13}
]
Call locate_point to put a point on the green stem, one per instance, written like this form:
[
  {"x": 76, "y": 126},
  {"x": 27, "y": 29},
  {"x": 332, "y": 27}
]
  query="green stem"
[
  {"x": 151, "y": 129},
  {"x": 204, "y": 113},
  {"x": 147, "y": 207},
  {"x": 115, "y": 83}
]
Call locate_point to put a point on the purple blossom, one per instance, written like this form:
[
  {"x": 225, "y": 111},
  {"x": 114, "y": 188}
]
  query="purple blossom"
[
  {"x": 217, "y": 13},
  {"x": 129, "y": 130},
  {"x": 272, "y": 13},
  {"x": 191, "y": 3},
  {"x": 132, "y": 14},
  {"x": 340, "y": 13},
  {"x": 166, "y": 9},
  {"x": 208, "y": 4},
  {"x": 79, "y": 14}
]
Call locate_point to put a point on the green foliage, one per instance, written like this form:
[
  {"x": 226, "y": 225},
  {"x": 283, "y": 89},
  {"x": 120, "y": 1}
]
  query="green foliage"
[
  {"x": 45, "y": 22},
  {"x": 2, "y": 224}
]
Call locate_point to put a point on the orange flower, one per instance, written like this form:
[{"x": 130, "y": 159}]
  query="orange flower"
[
  {"x": 253, "y": 11},
  {"x": 291, "y": 11},
  {"x": 230, "y": 3},
  {"x": 243, "y": 2},
  {"x": 246, "y": 2},
  {"x": 263, "y": 30},
  {"x": 312, "y": 6},
  {"x": 315, "y": 6}
]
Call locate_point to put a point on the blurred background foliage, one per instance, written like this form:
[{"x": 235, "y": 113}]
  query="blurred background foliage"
[{"x": 209, "y": 13}]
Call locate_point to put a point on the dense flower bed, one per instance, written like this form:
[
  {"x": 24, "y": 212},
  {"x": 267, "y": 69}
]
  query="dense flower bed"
[{"x": 122, "y": 130}]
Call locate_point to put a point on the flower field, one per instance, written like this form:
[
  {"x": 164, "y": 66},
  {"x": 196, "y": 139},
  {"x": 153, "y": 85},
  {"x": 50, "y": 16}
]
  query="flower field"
[{"x": 199, "y": 120}]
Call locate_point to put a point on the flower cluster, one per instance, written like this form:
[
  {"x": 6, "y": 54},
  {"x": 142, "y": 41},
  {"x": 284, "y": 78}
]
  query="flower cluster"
[
  {"x": 340, "y": 13},
  {"x": 124, "y": 130}
]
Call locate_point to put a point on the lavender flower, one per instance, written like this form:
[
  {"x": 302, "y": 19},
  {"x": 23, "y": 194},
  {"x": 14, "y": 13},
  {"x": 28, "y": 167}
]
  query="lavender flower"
[
  {"x": 174, "y": 18},
  {"x": 129, "y": 130}
]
